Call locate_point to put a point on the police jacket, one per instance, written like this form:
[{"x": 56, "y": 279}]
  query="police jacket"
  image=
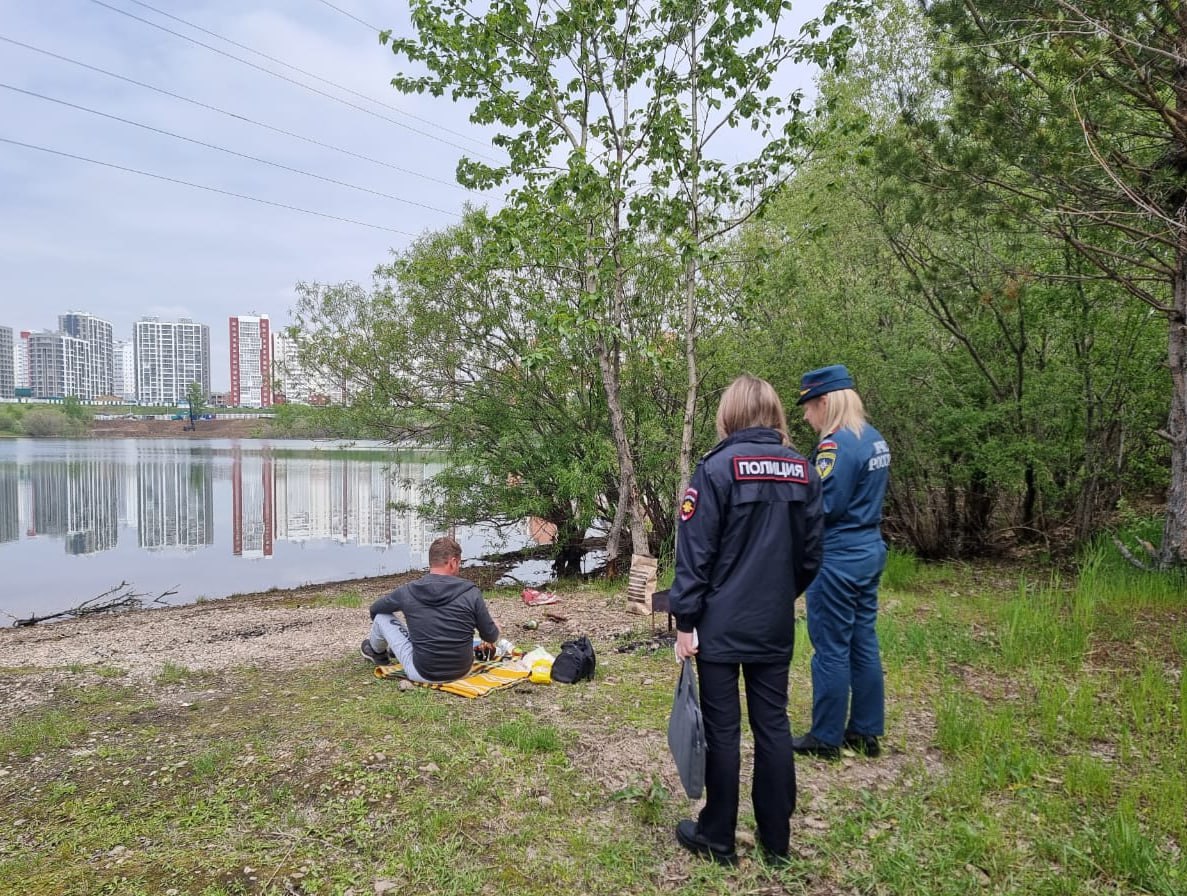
[
  {"x": 749, "y": 543},
  {"x": 854, "y": 470}
]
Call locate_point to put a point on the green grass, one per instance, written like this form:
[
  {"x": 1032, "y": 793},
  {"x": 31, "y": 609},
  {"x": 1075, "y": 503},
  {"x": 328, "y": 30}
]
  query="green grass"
[
  {"x": 349, "y": 599},
  {"x": 1048, "y": 624},
  {"x": 41, "y": 732},
  {"x": 1035, "y": 745}
]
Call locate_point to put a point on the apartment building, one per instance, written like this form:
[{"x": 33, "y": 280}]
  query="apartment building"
[
  {"x": 21, "y": 360},
  {"x": 297, "y": 383},
  {"x": 251, "y": 361},
  {"x": 123, "y": 381},
  {"x": 59, "y": 366},
  {"x": 169, "y": 356},
  {"x": 99, "y": 359},
  {"x": 7, "y": 364}
]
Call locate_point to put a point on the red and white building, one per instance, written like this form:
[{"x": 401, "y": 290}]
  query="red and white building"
[{"x": 251, "y": 361}]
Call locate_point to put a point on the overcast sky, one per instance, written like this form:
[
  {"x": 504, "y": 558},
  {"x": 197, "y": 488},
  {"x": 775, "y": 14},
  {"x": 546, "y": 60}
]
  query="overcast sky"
[{"x": 79, "y": 236}]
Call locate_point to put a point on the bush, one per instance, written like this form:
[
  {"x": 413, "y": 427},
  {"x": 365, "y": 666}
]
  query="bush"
[
  {"x": 10, "y": 420},
  {"x": 50, "y": 423}
]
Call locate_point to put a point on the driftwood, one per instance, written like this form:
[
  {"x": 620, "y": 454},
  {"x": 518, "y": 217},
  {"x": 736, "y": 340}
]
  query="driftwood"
[
  {"x": 1135, "y": 561},
  {"x": 113, "y": 600}
]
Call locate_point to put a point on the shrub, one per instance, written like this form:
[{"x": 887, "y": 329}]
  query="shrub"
[{"x": 50, "y": 423}]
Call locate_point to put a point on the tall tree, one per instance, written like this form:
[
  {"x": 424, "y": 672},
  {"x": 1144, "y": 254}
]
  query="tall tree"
[
  {"x": 973, "y": 339},
  {"x": 1076, "y": 112},
  {"x": 605, "y": 109}
]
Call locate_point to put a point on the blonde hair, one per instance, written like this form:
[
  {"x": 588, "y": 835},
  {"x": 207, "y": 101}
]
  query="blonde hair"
[
  {"x": 844, "y": 409},
  {"x": 750, "y": 401}
]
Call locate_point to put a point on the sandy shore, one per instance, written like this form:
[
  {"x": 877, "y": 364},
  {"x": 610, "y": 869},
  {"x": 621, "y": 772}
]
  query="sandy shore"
[{"x": 302, "y": 626}]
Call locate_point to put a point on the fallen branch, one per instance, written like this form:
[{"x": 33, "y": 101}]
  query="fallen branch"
[
  {"x": 1128, "y": 554},
  {"x": 119, "y": 598}
]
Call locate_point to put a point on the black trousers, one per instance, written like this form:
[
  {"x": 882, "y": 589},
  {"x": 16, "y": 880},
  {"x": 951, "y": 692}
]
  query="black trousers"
[{"x": 773, "y": 788}]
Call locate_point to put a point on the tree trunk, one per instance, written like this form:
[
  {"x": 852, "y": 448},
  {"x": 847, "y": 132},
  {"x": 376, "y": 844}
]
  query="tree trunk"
[
  {"x": 614, "y": 536},
  {"x": 690, "y": 277},
  {"x": 628, "y": 483},
  {"x": 1173, "y": 552},
  {"x": 608, "y": 364},
  {"x": 690, "y": 397}
]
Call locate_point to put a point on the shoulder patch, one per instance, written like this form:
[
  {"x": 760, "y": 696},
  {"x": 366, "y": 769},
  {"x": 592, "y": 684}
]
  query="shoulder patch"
[
  {"x": 825, "y": 461},
  {"x": 770, "y": 469},
  {"x": 827, "y": 445},
  {"x": 688, "y": 505}
]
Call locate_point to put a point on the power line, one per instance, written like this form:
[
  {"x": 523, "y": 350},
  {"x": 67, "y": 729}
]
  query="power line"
[
  {"x": 186, "y": 183},
  {"x": 350, "y": 15},
  {"x": 291, "y": 80},
  {"x": 235, "y": 115},
  {"x": 232, "y": 152}
]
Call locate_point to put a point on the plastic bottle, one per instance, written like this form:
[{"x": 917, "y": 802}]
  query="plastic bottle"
[{"x": 503, "y": 647}]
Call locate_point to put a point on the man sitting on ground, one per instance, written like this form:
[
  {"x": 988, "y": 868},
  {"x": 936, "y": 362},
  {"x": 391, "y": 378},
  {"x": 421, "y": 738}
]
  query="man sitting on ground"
[{"x": 441, "y": 611}]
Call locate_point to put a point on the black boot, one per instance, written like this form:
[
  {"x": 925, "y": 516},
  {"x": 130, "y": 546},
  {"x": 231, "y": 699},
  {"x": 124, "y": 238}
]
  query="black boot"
[
  {"x": 810, "y": 745},
  {"x": 689, "y": 835},
  {"x": 863, "y": 744}
]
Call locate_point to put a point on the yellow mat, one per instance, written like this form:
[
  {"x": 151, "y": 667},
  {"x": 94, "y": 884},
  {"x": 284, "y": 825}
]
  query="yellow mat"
[{"x": 484, "y": 677}]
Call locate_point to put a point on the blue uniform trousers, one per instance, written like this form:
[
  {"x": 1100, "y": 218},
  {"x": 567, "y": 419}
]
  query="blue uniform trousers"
[
  {"x": 773, "y": 787},
  {"x": 842, "y": 609}
]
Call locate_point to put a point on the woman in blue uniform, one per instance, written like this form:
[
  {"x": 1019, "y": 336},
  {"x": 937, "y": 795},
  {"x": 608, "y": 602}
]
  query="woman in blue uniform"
[
  {"x": 853, "y": 461},
  {"x": 749, "y": 543}
]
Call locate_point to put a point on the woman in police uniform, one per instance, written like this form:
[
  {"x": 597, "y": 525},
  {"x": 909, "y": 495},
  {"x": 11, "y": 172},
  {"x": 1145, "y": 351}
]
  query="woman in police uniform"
[
  {"x": 749, "y": 543},
  {"x": 853, "y": 461}
]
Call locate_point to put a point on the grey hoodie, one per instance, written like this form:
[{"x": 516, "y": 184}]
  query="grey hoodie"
[{"x": 441, "y": 613}]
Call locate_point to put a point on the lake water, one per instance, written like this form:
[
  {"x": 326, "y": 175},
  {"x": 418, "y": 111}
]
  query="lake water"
[{"x": 208, "y": 519}]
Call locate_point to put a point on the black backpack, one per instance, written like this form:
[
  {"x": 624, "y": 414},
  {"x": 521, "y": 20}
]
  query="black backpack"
[{"x": 577, "y": 662}]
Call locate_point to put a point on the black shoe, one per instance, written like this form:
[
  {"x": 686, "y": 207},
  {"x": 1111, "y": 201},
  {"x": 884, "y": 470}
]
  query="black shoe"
[
  {"x": 768, "y": 855},
  {"x": 379, "y": 659},
  {"x": 810, "y": 745},
  {"x": 689, "y": 836},
  {"x": 772, "y": 858},
  {"x": 863, "y": 744}
]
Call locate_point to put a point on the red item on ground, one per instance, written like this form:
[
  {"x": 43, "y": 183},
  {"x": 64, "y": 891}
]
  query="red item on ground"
[{"x": 534, "y": 598}]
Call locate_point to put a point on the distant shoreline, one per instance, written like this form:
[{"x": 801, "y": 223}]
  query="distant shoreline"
[{"x": 221, "y": 428}]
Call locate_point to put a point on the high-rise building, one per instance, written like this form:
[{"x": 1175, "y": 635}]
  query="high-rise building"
[
  {"x": 7, "y": 364},
  {"x": 170, "y": 356},
  {"x": 59, "y": 366},
  {"x": 251, "y": 361},
  {"x": 21, "y": 353},
  {"x": 287, "y": 372},
  {"x": 296, "y": 382},
  {"x": 123, "y": 381},
  {"x": 99, "y": 360}
]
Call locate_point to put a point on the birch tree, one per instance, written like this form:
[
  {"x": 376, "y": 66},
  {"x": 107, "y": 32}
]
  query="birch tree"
[{"x": 605, "y": 109}]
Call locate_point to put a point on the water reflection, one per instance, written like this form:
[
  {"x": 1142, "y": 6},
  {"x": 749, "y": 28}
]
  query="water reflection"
[
  {"x": 86, "y": 501},
  {"x": 77, "y": 501},
  {"x": 194, "y": 516},
  {"x": 174, "y": 503}
]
